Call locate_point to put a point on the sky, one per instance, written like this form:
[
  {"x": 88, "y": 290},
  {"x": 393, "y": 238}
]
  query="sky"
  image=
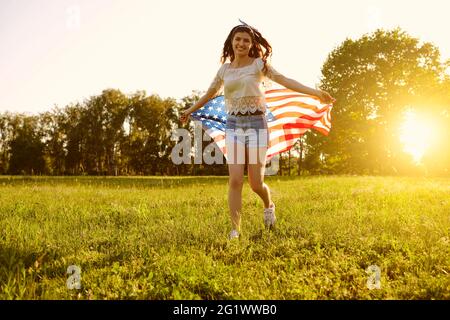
[{"x": 57, "y": 52}]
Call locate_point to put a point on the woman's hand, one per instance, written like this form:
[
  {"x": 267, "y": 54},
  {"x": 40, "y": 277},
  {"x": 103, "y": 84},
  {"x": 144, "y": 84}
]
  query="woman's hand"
[
  {"x": 185, "y": 116},
  {"x": 325, "y": 97}
]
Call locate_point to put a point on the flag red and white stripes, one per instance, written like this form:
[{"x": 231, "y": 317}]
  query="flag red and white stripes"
[{"x": 290, "y": 115}]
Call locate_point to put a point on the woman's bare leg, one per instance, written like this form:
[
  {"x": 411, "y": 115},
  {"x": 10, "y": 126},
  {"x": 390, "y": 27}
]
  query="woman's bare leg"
[
  {"x": 236, "y": 182},
  {"x": 256, "y": 169}
]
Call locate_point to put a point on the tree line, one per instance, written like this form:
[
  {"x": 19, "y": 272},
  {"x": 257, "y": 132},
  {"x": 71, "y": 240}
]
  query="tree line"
[{"x": 375, "y": 79}]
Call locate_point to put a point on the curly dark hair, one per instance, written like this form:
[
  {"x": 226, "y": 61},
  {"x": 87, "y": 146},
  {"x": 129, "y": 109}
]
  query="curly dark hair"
[{"x": 256, "y": 51}]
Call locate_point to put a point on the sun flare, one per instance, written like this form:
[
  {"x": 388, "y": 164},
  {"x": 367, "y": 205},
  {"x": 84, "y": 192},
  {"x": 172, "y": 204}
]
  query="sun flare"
[{"x": 416, "y": 134}]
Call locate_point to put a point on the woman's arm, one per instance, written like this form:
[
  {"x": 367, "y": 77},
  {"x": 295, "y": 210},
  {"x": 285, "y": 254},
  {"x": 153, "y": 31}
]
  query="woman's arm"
[
  {"x": 203, "y": 99},
  {"x": 200, "y": 103},
  {"x": 295, "y": 85},
  {"x": 300, "y": 88},
  {"x": 215, "y": 86}
]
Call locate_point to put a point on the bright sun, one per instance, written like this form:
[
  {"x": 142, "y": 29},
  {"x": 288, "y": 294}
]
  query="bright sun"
[{"x": 416, "y": 134}]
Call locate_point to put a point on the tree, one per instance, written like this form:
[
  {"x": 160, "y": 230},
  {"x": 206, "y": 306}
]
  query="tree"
[
  {"x": 8, "y": 126},
  {"x": 71, "y": 123},
  {"x": 102, "y": 122},
  {"x": 26, "y": 148},
  {"x": 50, "y": 126},
  {"x": 374, "y": 79},
  {"x": 152, "y": 120}
]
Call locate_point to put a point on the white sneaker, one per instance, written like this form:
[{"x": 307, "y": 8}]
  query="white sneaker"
[
  {"x": 234, "y": 234},
  {"x": 269, "y": 216}
]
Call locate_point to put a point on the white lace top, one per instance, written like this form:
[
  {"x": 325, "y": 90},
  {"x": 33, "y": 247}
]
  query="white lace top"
[{"x": 243, "y": 86}]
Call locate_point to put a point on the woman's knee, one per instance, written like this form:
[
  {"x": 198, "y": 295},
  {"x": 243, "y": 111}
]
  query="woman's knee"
[
  {"x": 257, "y": 186},
  {"x": 236, "y": 183}
]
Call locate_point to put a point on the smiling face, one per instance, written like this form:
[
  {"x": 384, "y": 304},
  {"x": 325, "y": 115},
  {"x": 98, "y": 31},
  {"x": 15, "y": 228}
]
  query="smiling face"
[{"x": 242, "y": 43}]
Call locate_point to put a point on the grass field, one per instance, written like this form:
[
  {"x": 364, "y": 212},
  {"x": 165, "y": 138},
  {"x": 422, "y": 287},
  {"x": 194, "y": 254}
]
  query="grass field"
[{"x": 166, "y": 238}]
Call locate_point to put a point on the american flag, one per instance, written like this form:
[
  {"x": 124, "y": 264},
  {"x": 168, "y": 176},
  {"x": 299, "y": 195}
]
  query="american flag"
[{"x": 289, "y": 115}]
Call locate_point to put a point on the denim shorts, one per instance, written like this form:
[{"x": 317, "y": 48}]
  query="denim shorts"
[
  {"x": 246, "y": 139},
  {"x": 250, "y": 131}
]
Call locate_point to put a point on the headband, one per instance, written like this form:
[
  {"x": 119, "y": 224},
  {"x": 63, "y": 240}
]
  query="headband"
[{"x": 243, "y": 24}]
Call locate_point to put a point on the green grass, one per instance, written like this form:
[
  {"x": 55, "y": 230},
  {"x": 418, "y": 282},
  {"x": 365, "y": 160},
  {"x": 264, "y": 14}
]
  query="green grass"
[{"x": 166, "y": 238}]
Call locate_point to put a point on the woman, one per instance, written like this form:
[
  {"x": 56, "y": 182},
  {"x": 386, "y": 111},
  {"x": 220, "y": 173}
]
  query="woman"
[{"x": 246, "y": 126}]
